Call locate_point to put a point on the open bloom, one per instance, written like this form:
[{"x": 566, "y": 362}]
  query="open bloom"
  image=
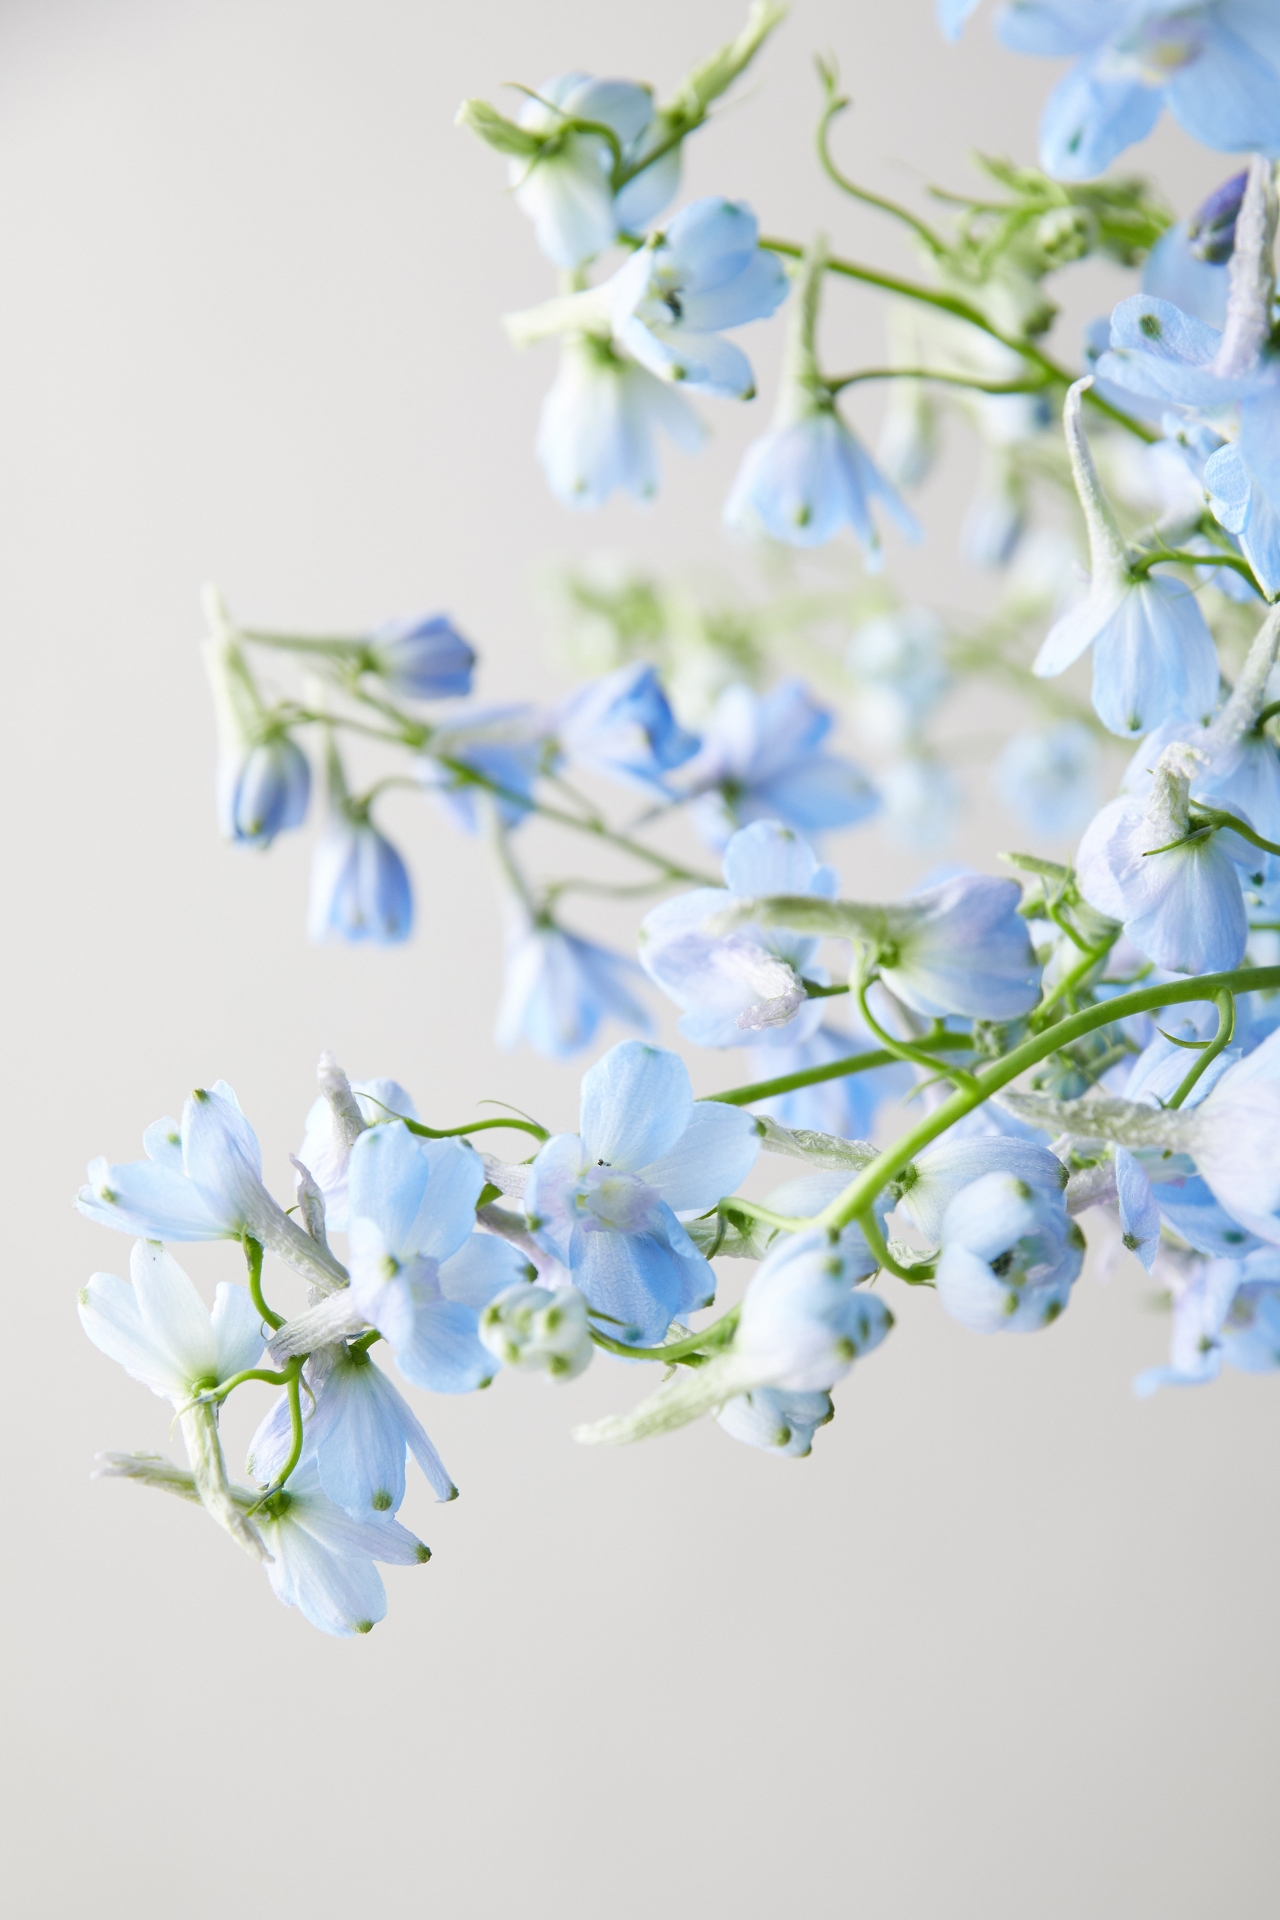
[
  {"x": 1224, "y": 1310},
  {"x": 491, "y": 754},
  {"x": 1176, "y": 892},
  {"x": 558, "y": 988},
  {"x": 622, "y": 725},
  {"x": 335, "y": 1122},
  {"x": 604, "y": 1201},
  {"x": 427, "y": 658},
  {"x": 323, "y": 1557},
  {"x": 747, "y": 986},
  {"x": 762, "y": 758},
  {"x": 598, "y": 430},
  {"x": 1153, "y": 655},
  {"x": 1010, "y": 1256},
  {"x": 263, "y": 782},
  {"x": 1215, "y": 65}
]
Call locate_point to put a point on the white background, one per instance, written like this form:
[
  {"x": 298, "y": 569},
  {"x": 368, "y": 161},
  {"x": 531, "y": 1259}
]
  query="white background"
[{"x": 1004, "y": 1647}]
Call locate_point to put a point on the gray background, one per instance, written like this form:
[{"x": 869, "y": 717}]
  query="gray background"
[{"x": 1004, "y": 1646}]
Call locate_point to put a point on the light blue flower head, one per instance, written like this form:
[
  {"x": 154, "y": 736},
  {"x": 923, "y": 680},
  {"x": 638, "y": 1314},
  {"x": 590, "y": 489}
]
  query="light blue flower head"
[
  {"x": 1010, "y": 1255},
  {"x": 566, "y": 189},
  {"x": 424, "y": 657},
  {"x": 622, "y": 725},
  {"x": 557, "y": 989},
  {"x": 604, "y": 1201}
]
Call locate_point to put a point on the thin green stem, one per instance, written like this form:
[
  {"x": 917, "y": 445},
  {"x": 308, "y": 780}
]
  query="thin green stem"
[
  {"x": 838, "y": 383},
  {"x": 1226, "y": 1005},
  {"x": 835, "y": 106},
  {"x": 218, "y": 1394},
  {"x": 905, "y": 1050},
  {"x": 476, "y": 1126},
  {"x": 816, "y": 991},
  {"x": 294, "y": 1392},
  {"x": 717, "y": 1335},
  {"x": 862, "y": 1190},
  {"x": 919, "y": 1275},
  {"x": 836, "y": 1070},
  {"x": 1174, "y": 556},
  {"x": 253, "y": 1260},
  {"x": 366, "y": 1340},
  {"x": 1268, "y": 713},
  {"x": 1213, "y": 819}
]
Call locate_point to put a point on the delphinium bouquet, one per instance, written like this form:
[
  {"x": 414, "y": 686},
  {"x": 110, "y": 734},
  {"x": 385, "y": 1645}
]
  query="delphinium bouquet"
[{"x": 1030, "y": 1047}]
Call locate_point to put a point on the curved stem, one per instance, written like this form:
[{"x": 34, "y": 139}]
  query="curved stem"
[
  {"x": 835, "y": 106},
  {"x": 919, "y": 1275},
  {"x": 475, "y": 1126},
  {"x": 1226, "y": 1005},
  {"x": 835, "y": 1070},
  {"x": 903, "y": 1050},
  {"x": 1212, "y": 819},
  {"x": 844, "y": 380},
  {"x": 716, "y": 1335},
  {"x": 253, "y": 1260},
  {"x": 1174, "y": 556}
]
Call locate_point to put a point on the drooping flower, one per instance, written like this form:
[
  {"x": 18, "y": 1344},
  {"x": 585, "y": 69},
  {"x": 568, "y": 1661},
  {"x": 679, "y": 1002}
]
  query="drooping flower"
[
  {"x": 558, "y": 988},
  {"x": 263, "y": 784},
  {"x": 622, "y": 725},
  {"x": 762, "y": 759},
  {"x": 203, "y": 1181},
  {"x": 1176, "y": 889},
  {"x": 360, "y": 886},
  {"x": 930, "y": 1183},
  {"x": 323, "y": 1558},
  {"x": 598, "y": 430},
  {"x": 494, "y": 754},
  {"x": 424, "y": 657},
  {"x": 604, "y": 1201},
  {"x": 1222, "y": 1310},
  {"x": 745, "y": 987},
  {"x": 1010, "y": 1255},
  {"x": 785, "y": 1422},
  {"x": 1153, "y": 658}
]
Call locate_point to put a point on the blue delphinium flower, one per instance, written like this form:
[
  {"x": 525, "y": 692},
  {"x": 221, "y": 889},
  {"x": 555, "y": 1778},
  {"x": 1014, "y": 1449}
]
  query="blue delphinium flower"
[
  {"x": 359, "y": 884},
  {"x": 202, "y": 1181},
  {"x": 1215, "y": 65},
  {"x": 598, "y": 429},
  {"x": 1178, "y": 896},
  {"x": 357, "y": 1428},
  {"x": 335, "y": 1122},
  {"x": 804, "y": 1319},
  {"x": 1223, "y": 1310},
  {"x": 566, "y": 190},
  {"x": 672, "y": 300},
  {"x": 961, "y": 947},
  {"x": 540, "y": 1329},
  {"x": 492, "y": 755},
  {"x": 323, "y": 1558},
  {"x": 1165, "y": 354},
  {"x": 558, "y": 988},
  {"x": 622, "y": 725},
  {"x": 930, "y": 1183},
  {"x": 604, "y": 1201},
  {"x": 784, "y": 1422},
  {"x": 263, "y": 792},
  {"x": 1049, "y": 780},
  {"x": 1010, "y": 1255},
  {"x": 1154, "y": 658},
  {"x": 762, "y": 758},
  {"x": 810, "y": 475},
  {"x": 427, "y": 658},
  {"x": 744, "y": 987}
]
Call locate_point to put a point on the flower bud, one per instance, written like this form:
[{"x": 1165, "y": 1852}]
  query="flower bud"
[{"x": 542, "y": 1328}]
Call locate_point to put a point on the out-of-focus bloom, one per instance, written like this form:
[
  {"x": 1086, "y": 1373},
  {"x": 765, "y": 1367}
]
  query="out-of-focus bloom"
[
  {"x": 334, "y": 1124},
  {"x": 898, "y": 664},
  {"x": 622, "y": 725},
  {"x": 542, "y": 1329},
  {"x": 323, "y": 1558},
  {"x": 558, "y": 988},
  {"x": 359, "y": 885},
  {"x": 426, "y": 658},
  {"x": 761, "y": 759},
  {"x": 845, "y": 1107},
  {"x": 263, "y": 784},
  {"x": 1215, "y": 65},
  {"x": 996, "y": 518},
  {"x": 604, "y": 1201},
  {"x": 1177, "y": 893},
  {"x": 1154, "y": 657},
  {"x": 202, "y": 1181},
  {"x": 1010, "y": 1255},
  {"x": 922, "y": 801},
  {"x": 494, "y": 755},
  {"x": 1050, "y": 780},
  {"x": 744, "y": 987},
  {"x": 1223, "y": 1310},
  {"x": 804, "y": 1321},
  {"x": 599, "y": 424}
]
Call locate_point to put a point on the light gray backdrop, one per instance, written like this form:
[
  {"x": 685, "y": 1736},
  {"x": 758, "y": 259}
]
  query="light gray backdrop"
[{"x": 1004, "y": 1647}]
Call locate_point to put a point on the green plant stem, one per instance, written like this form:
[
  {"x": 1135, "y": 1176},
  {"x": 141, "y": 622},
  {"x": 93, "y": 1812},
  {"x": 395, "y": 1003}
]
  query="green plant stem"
[
  {"x": 836, "y": 1070},
  {"x": 838, "y": 383},
  {"x": 716, "y": 1335},
  {"x": 835, "y": 106},
  {"x": 294, "y": 1391},
  {"x": 1226, "y": 1005},
  {"x": 1172, "y": 556},
  {"x": 919, "y": 1275},
  {"x": 476, "y": 1126},
  {"x": 253, "y": 1260},
  {"x": 904, "y": 1050},
  {"x": 862, "y": 1191}
]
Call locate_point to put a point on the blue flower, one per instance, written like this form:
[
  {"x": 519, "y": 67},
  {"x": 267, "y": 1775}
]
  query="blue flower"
[
  {"x": 359, "y": 884},
  {"x": 263, "y": 791},
  {"x": 1010, "y": 1255},
  {"x": 786, "y": 1422},
  {"x": 604, "y": 1201},
  {"x": 1224, "y": 1310},
  {"x": 806, "y": 478},
  {"x": 960, "y": 947},
  {"x": 675, "y": 296},
  {"x": 322, "y": 1558},
  {"x": 1154, "y": 658},
  {"x": 427, "y": 658},
  {"x": 558, "y": 988},
  {"x": 622, "y": 725},
  {"x": 503, "y": 747},
  {"x": 566, "y": 190},
  {"x": 804, "y": 1319},
  {"x": 159, "y": 1329},
  {"x": 952, "y": 15},
  {"x": 745, "y": 987},
  {"x": 1178, "y": 895},
  {"x": 1216, "y": 66},
  {"x": 599, "y": 424},
  {"x": 762, "y": 759},
  {"x": 930, "y": 1183},
  {"x": 1049, "y": 780},
  {"x": 922, "y": 801}
]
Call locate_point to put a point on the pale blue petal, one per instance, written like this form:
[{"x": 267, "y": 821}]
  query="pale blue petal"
[
  {"x": 153, "y": 1200},
  {"x": 1139, "y": 1214},
  {"x": 710, "y": 1160},
  {"x": 769, "y": 858},
  {"x": 1087, "y": 121},
  {"x": 110, "y": 1316},
  {"x": 237, "y": 1330},
  {"x": 444, "y": 1354},
  {"x": 482, "y": 1267},
  {"x": 632, "y": 1279},
  {"x": 386, "y": 1181},
  {"x": 1227, "y": 98},
  {"x": 636, "y": 1102},
  {"x": 173, "y": 1313}
]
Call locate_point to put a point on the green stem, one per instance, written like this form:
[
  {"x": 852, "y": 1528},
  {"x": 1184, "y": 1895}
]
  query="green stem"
[
  {"x": 960, "y": 1076},
  {"x": 253, "y": 1260},
  {"x": 716, "y": 1335},
  {"x": 919, "y": 1275},
  {"x": 224, "y": 1387},
  {"x": 1226, "y": 1005},
  {"x": 836, "y": 105},
  {"x": 1268, "y": 713},
  {"x": 294, "y": 1392},
  {"x": 835, "y": 1070},
  {"x": 862, "y": 1191},
  {"x": 476, "y": 1126},
  {"x": 1172, "y": 556},
  {"x": 1211, "y": 819},
  {"x": 841, "y": 381}
]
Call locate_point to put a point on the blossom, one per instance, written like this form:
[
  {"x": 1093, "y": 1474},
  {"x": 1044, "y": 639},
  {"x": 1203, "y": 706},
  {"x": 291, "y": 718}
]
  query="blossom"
[
  {"x": 747, "y": 986},
  {"x": 357, "y": 1429},
  {"x": 494, "y": 753},
  {"x": 1224, "y": 1310},
  {"x": 599, "y": 424},
  {"x": 932, "y": 1181},
  {"x": 425, "y": 657},
  {"x": 542, "y": 1329},
  {"x": 604, "y": 1201},
  {"x": 1010, "y": 1255},
  {"x": 768, "y": 1417},
  {"x": 263, "y": 783},
  {"x": 671, "y": 301},
  {"x": 335, "y": 1122},
  {"x": 1175, "y": 888},
  {"x": 1154, "y": 657},
  {"x": 359, "y": 884},
  {"x": 804, "y": 1321},
  {"x": 762, "y": 759},
  {"x": 323, "y": 1558},
  {"x": 1049, "y": 780},
  {"x": 1215, "y": 65},
  {"x": 558, "y": 988},
  {"x": 202, "y": 1181},
  {"x": 419, "y": 1274},
  {"x": 845, "y": 1107},
  {"x": 622, "y": 725}
]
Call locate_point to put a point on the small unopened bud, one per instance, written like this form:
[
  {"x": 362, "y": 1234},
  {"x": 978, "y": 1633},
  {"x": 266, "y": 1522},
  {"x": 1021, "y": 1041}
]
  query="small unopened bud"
[{"x": 541, "y": 1328}]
